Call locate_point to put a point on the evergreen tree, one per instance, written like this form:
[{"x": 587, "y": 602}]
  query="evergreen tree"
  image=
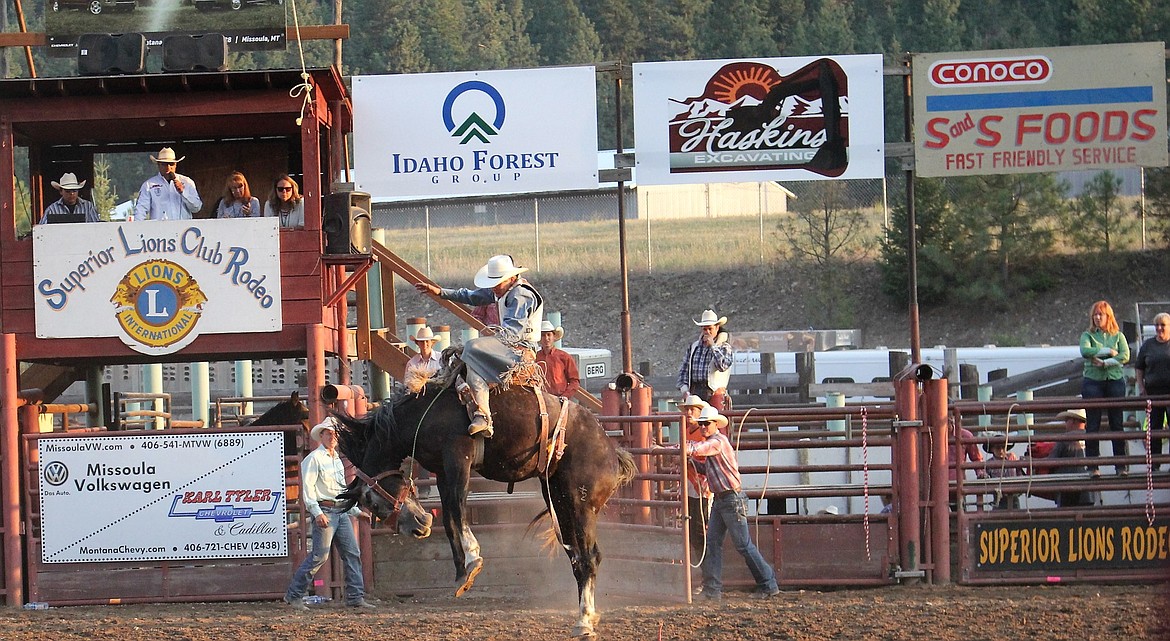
[
  {"x": 1158, "y": 202},
  {"x": 619, "y": 26},
  {"x": 1098, "y": 218},
  {"x": 1004, "y": 220},
  {"x": 103, "y": 190},
  {"x": 563, "y": 34},
  {"x": 827, "y": 31},
  {"x": 935, "y": 226},
  {"x": 736, "y": 29}
]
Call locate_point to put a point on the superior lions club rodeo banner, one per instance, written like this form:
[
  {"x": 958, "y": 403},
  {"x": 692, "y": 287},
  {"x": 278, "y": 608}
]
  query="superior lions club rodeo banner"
[
  {"x": 475, "y": 133},
  {"x": 751, "y": 120},
  {"x": 157, "y": 285}
]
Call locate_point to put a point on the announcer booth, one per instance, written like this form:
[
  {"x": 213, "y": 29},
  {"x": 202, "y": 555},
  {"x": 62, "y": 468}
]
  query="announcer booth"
[{"x": 99, "y": 515}]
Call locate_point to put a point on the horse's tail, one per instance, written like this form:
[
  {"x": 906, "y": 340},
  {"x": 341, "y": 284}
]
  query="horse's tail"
[
  {"x": 626, "y": 467},
  {"x": 547, "y": 537}
]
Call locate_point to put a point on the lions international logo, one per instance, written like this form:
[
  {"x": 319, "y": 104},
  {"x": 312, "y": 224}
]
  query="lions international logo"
[{"x": 157, "y": 304}]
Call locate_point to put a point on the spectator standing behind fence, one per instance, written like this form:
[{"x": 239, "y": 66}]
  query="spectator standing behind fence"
[
  {"x": 1152, "y": 368},
  {"x": 706, "y": 367},
  {"x": 1105, "y": 351},
  {"x": 1074, "y": 422},
  {"x": 286, "y": 202},
  {"x": 728, "y": 510},
  {"x": 71, "y": 207},
  {"x": 322, "y": 479},
  {"x": 167, "y": 195},
  {"x": 997, "y": 447},
  {"x": 237, "y": 200},
  {"x": 560, "y": 370}
]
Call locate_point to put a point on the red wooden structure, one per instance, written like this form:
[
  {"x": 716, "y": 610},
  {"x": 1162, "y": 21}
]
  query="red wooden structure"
[{"x": 267, "y": 123}]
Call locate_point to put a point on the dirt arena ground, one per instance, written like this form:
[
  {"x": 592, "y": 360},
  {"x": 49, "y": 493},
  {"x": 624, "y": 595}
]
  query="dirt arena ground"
[{"x": 1072, "y": 612}]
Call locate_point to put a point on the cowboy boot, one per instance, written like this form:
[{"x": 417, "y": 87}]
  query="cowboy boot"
[{"x": 481, "y": 418}]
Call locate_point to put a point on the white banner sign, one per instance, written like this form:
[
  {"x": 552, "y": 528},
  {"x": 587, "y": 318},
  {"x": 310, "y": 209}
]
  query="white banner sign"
[
  {"x": 750, "y": 120},
  {"x": 162, "y": 497},
  {"x": 1037, "y": 110},
  {"x": 157, "y": 285},
  {"x": 483, "y": 132}
]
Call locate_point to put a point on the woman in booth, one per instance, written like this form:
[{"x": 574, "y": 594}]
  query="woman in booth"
[
  {"x": 237, "y": 200},
  {"x": 286, "y": 202}
]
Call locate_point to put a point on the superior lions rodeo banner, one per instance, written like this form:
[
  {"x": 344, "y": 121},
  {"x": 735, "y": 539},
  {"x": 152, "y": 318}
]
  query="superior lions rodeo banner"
[
  {"x": 475, "y": 133},
  {"x": 157, "y": 285},
  {"x": 162, "y": 497},
  {"x": 751, "y": 120},
  {"x": 1037, "y": 110}
]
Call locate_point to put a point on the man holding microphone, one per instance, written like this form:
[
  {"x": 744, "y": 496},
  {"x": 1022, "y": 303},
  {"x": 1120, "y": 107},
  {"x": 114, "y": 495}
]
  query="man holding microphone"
[{"x": 167, "y": 195}]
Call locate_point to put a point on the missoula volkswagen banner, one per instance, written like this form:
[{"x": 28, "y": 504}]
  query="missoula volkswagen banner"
[
  {"x": 162, "y": 497},
  {"x": 1037, "y": 110},
  {"x": 473, "y": 133},
  {"x": 157, "y": 285},
  {"x": 750, "y": 120}
]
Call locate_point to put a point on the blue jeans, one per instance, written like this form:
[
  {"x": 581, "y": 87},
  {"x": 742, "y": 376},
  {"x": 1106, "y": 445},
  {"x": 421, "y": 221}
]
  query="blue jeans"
[
  {"x": 729, "y": 516},
  {"x": 341, "y": 531},
  {"x": 1104, "y": 389}
]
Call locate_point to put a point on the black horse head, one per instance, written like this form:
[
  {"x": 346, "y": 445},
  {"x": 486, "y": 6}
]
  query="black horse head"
[
  {"x": 290, "y": 412},
  {"x": 388, "y": 494}
]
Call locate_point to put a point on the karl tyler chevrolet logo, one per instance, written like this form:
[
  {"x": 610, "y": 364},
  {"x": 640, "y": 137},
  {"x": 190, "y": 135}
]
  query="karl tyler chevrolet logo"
[{"x": 473, "y": 125}]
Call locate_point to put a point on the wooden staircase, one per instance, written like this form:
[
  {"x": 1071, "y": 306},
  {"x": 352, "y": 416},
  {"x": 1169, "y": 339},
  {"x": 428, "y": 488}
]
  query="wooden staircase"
[{"x": 52, "y": 380}]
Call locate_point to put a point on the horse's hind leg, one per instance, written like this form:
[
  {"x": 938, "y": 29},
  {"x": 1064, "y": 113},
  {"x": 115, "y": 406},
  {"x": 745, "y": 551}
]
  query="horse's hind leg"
[{"x": 578, "y": 532}]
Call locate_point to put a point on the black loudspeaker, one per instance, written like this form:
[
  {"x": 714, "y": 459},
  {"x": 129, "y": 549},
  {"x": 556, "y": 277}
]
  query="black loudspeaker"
[
  {"x": 204, "y": 52},
  {"x": 103, "y": 54},
  {"x": 345, "y": 222}
]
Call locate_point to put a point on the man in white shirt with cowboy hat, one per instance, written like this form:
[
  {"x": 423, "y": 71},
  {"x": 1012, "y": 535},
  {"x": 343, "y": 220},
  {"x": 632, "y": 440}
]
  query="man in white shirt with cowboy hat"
[
  {"x": 706, "y": 367},
  {"x": 322, "y": 480},
  {"x": 71, "y": 207},
  {"x": 521, "y": 311},
  {"x": 167, "y": 195},
  {"x": 422, "y": 366}
]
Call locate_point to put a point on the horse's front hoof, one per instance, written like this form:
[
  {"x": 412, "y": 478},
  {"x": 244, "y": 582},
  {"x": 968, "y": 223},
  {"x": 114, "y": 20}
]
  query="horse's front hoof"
[{"x": 472, "y": 571}]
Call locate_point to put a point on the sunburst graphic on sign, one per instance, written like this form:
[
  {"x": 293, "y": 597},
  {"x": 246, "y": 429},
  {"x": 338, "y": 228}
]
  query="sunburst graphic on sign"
[{"x": 738, "y": 80}]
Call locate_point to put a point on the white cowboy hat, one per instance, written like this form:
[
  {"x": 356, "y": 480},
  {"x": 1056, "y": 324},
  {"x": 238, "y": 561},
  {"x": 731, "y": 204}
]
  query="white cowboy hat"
[
  {"x": 693, "y": 401},
  {"x": 498, "y": 269},
  {"x": 423, "y": 334},
  {"x": 68, "y": 181},
  {"x": 709, "y": 318},
  {"x": 546, "y": 326},
  {"x": 1077, "y": 415},
  {"x": 712, "y": 415},
  {"x": 329, "y": 423},
  {"x": 166, "y": 155}
]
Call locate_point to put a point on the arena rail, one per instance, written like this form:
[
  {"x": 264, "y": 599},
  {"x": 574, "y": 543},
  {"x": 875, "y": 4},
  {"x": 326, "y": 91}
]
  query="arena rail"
[{"x": 1124, "y": 534}]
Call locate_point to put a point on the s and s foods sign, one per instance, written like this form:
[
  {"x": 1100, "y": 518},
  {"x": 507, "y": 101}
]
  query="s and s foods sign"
[{"x": 1039, "y": 110}]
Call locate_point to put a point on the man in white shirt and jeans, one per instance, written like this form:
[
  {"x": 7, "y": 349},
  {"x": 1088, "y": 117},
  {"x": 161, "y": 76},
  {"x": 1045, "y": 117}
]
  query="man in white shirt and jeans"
[{"x": 322, "y": 479}]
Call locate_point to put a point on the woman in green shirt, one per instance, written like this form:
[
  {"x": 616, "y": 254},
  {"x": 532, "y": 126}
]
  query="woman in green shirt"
[{"x": 1105, "y": 351}]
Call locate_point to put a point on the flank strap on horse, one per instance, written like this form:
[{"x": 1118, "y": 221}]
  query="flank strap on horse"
[{"x": 551, "y": 449}]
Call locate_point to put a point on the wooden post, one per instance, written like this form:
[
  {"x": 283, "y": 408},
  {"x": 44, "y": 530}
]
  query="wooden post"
[
  {"x": 898, "y": 362},
  {"x": 10, "y": 474},
  {"x": 968, "y": 381},
  {"x": 806, "y": 372}
]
